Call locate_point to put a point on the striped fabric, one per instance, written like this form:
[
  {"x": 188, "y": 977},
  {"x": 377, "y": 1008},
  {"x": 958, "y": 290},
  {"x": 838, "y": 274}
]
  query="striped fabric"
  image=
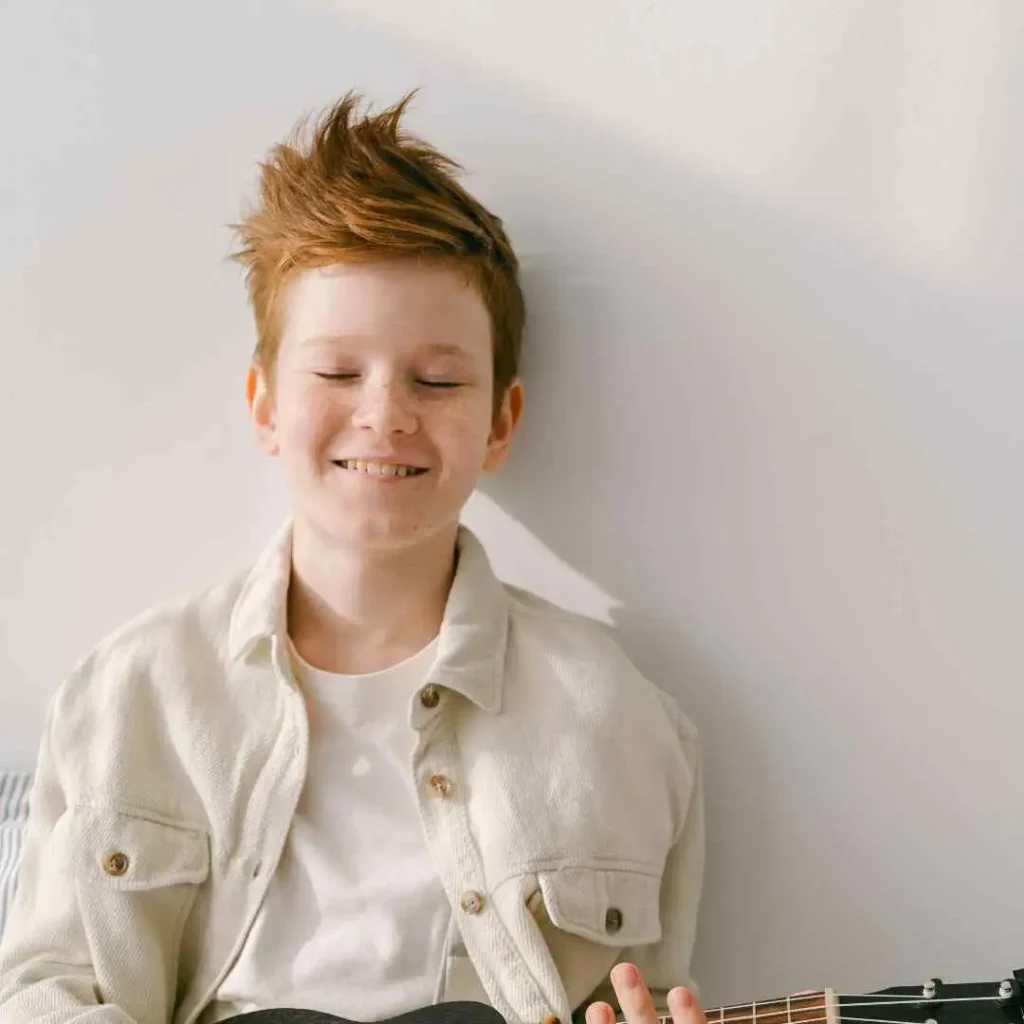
[{"x": 14, "y": 793}]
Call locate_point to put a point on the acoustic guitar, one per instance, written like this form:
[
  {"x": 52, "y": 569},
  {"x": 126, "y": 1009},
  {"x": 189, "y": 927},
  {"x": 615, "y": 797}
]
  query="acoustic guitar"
[{"x": 997, "y": 1002}]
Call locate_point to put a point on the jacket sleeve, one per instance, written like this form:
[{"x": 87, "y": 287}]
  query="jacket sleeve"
[
  {"x": 667, "y": 963},
  {"x": 46, "y": 970}
]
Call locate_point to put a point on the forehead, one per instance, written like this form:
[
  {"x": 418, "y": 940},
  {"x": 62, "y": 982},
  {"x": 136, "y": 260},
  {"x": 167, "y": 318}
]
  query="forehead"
[{"x": 403, "y": 304}]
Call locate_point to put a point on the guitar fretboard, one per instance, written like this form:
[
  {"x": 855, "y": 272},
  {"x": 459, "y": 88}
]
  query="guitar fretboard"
[{"x": 811, "y": 1008}]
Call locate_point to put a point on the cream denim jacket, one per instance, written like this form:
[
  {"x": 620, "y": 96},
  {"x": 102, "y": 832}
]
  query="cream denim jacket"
[{"x": 174, "y": 754}]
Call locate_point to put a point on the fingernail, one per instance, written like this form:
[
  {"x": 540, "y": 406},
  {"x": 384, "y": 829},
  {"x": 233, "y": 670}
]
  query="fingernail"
[
  {"x": 681, "y": 997},
  {"x": 627, "y": 975}
]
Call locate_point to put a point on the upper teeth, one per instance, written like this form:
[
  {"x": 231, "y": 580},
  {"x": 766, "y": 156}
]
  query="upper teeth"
[{"x": 378, "y": 468}]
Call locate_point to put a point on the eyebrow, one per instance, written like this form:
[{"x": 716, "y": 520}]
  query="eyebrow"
[
  {"x": 326, "y": 339},
  {"x": 440, "y": 348}
]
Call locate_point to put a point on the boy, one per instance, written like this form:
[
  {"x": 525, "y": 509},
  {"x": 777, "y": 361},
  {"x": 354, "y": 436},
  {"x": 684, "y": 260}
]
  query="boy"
[{"x": 364, "y": 775}]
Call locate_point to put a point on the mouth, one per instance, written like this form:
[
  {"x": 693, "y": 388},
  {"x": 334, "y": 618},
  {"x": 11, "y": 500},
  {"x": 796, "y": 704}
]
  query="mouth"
[{"x": 378, "y": 469}]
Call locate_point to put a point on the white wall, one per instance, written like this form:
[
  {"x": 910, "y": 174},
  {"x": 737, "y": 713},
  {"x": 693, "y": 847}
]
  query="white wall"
[{"x": 773, "y": 255}]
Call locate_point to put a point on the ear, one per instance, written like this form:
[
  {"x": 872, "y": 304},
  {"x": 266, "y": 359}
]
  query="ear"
[
  {"x": 504, "y": 426},
  {"x": 259, "y": 396}
]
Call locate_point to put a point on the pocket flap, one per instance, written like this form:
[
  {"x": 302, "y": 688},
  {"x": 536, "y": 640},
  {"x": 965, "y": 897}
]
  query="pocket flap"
[
  {"x": 129, "y": 851},
  {"x": 612, "y": 907}
]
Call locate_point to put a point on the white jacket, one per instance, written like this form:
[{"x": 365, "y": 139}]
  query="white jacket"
[{"x": 175, "y": 752}]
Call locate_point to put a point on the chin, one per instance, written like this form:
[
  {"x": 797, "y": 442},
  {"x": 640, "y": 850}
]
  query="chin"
[{"x": 374, "y": 533}]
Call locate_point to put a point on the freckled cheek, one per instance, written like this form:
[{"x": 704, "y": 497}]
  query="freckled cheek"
[{"x": 312, "y": 427}]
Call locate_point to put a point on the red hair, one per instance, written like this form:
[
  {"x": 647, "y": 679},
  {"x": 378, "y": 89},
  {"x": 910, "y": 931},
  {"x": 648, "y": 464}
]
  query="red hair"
[{"x": 365, "y": 189}]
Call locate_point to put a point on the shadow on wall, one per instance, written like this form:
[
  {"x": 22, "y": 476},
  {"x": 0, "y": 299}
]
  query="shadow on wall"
[{"x": 721, "y": 434}]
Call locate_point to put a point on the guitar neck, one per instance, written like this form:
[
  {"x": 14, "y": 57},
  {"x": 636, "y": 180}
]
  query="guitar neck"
[{"x": 807, "y": 1008}]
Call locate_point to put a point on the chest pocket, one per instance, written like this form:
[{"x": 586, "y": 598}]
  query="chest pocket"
[
  {"x": 610, "y": 907},
  {"x": 128, "y": 852},
  {"x": 135, "y": 880}
]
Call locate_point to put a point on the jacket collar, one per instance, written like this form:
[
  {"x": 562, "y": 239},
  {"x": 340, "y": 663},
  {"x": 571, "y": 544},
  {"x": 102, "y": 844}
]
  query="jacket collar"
[{"x": 474, "y": 628}]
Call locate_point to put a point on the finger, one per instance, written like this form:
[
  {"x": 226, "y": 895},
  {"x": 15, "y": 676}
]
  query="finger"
[
  {"x": 633, "y": 995},
  {"x": 684, "y": 1007},
  {"x": 600, "y": 1013}
]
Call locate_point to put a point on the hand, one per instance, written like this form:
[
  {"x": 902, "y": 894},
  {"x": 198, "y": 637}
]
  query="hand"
[{"x": 638, "y": 1007}]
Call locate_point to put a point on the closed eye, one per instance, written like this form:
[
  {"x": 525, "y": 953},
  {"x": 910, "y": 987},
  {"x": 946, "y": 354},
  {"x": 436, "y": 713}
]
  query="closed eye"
[{"x": 424, "y": 383}]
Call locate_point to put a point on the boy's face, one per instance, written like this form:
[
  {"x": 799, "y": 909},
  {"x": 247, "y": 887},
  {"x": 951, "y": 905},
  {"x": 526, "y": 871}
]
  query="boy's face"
[{"x": 382, "y": 365}]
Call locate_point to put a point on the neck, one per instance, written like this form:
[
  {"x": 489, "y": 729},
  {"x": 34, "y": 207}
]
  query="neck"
[{"x": 354, "y": 610}]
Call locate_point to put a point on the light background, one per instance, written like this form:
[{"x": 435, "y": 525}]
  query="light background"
[{"x": 775, "y": 430}]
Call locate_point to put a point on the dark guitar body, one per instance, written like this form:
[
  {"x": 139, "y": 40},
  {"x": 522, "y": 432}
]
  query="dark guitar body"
[{"x": 442, "y": 1013}]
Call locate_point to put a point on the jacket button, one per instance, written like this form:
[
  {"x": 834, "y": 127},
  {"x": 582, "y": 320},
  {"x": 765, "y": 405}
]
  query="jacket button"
[
  {"x": 612, "y": 920},
  {"x": 115, "y": 864},
  {"x": 429, "y": 696},
  {"x": 550, "y": 1020},
  {"x": 440, "y": 784},
  {"x": 472, "y": 902}
]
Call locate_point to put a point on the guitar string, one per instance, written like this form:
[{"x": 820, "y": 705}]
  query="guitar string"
[
  {"x": 788, "y": 1019},
  {"x": 809, "y": 1020},
  {"x": 888, "y": 999}
]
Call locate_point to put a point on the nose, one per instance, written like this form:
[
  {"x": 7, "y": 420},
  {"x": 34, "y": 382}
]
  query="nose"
[{"x": 385, "y": 407}]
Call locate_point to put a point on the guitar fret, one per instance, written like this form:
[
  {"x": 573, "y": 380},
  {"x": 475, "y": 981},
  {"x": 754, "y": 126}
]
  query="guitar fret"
[
  {"x": 829, "y": 1003},
  {"x": 789, "y": 1010}
]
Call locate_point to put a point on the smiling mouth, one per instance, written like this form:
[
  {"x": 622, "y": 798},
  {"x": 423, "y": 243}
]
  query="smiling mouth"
[{"x": 370, "y": 468}]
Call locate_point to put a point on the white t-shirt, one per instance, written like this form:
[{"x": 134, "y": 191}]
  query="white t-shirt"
[{"x": 355, "y": 921}]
